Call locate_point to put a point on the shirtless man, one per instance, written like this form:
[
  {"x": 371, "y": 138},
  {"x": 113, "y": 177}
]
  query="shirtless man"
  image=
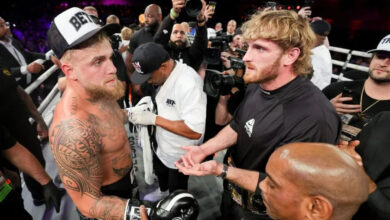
[{"x": 87, "y": 136}]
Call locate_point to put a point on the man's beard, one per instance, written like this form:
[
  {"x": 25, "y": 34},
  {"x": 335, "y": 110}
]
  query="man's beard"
[
  {"x": 99, "y": 93},
  {"x": 268, "y": 74},
  {"x": 177, "y": 45},
  {"x": 379, "y": 80},
  {"x": 152, "y": 27}
]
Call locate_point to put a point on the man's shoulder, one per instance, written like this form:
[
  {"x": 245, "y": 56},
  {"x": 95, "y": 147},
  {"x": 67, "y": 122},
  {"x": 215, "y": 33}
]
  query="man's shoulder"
[
  {"x": 69, "y": 110},
  {"x": 188, "y": 77},
  {"x": 139, "y": 34}
]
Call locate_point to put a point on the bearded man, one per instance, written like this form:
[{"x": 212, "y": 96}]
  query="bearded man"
[
  {"x": 173, "y": 36},
  {"x": 87, "y": 136},
  {"x": 280, "y": 106},
  {"x": 366, "y": 98}
]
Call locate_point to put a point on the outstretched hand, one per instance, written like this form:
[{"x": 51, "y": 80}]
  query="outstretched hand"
[
  {"x": 189, "y": 167},
  {"x": 194, "y": 153}
]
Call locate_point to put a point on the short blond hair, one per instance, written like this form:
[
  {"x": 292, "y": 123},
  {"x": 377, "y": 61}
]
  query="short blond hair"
[
  {"x": 288, "y": 30},
  {"x": 126, "y": 33},
  {"x": 112, "y": 19}
]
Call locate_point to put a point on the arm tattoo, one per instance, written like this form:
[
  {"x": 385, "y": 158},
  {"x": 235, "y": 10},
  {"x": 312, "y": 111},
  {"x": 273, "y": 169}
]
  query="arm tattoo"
[
  {"x": 75, "y": 145},
  {"x": 107, "y": 208}
]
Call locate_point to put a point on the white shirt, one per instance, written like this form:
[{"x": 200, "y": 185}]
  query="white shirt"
[
  {"x": 181, "y": 97},
  {"x": 322, "y": 66}
]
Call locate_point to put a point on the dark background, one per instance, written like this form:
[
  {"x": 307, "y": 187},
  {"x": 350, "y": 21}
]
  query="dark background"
[{"x": 356, "y": 24}]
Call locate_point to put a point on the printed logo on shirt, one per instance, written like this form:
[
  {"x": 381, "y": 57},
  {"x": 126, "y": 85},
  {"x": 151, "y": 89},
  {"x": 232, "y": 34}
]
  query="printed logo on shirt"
[
  {"x": 249, "y": 126},
  {"x": 171, "y": 102}
]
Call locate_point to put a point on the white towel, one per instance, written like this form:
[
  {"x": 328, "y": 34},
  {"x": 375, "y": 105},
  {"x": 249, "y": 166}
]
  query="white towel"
[{"x": 146, "y": 104}]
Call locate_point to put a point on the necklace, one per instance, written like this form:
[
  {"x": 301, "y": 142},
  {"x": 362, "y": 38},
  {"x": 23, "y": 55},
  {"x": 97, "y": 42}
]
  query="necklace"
[{"x": 361, "y": 102}]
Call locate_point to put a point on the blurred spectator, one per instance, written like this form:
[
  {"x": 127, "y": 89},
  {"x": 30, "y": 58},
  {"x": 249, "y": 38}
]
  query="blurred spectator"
[
  {"x": 357, "y": 102},
  {"x": 126, "y": 34},
  {"x": 230, "y": 28},
  {"x": 112, "y": 19},
  {"x": 91, "y": 11},
  {"x": 173, "y": 37},
  {"x": 16, "y": 58},
  {"x": 321, "y": 59},
  {"x": 153, "y": 16}
]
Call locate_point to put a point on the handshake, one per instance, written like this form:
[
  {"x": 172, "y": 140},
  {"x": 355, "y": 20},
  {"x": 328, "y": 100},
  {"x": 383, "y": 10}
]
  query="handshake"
[
  {"x": 178, "y": 205},
  {"x": 142, "y": 113}
]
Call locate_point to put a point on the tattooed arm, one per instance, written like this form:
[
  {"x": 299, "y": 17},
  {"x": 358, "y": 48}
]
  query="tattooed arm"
[{"x": 75, "y": 145}]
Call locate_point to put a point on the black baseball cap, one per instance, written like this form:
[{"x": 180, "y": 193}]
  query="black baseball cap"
[
  {"x": 146, "y": 59},
  {"x": 71, "y": 28}
]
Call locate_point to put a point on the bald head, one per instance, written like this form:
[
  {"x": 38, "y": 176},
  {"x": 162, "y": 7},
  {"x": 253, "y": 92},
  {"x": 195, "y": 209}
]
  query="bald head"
[
  {"x": 324, "y": 170},
  {"x": 153, "y": 15}
]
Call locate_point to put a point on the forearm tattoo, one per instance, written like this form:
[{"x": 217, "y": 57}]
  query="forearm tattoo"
[{"x": 75, "y": 145}]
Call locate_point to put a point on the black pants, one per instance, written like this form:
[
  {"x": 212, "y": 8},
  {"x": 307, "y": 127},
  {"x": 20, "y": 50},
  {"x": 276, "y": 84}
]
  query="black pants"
[
  {"x": 20, "y": 128},
  {"x": 231, "y": 210},
  {"x": 12, "y": 206},
  {"x": 169, "y": 178}
]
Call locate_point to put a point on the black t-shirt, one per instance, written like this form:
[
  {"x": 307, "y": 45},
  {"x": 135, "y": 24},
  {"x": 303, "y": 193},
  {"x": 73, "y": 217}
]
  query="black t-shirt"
[
  {"x": 142, "y": 36},
  {"x": 356, "y": 122},
  {"x": 11, "y": 102},
  {"x": 6, "y": 142},
  {"x": 296, "y": 112}
]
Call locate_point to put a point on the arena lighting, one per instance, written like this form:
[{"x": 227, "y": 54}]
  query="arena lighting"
[
  {"x": 280, "y": 7},
  {"x": 298, "y": 7},
  {"x": 289, "y": 7}
]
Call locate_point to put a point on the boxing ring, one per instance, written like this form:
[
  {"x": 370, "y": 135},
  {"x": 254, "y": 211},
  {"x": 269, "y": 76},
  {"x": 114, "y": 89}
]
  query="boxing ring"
[{"x": 207, "y": 190}]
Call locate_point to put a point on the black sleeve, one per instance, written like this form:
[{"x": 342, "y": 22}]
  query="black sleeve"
[
  {"x": 6, "y": 140},
  {"x": 333, "y": 90},
  {"x": 374, "y": 150},
  {"x": 200, "y": 43},
  {"x": 163, "y": 33}
]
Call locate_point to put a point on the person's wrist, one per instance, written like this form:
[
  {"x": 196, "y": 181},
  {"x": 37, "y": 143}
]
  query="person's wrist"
[
  {"x": 174, "y": 14},
  {"x": 222, "y": 170},
  {"x": 203, "y": 150},
  {"x": 154, "y": 119}
]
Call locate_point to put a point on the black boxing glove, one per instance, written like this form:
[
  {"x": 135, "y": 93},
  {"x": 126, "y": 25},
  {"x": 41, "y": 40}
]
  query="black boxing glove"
[{"x": 178, "y": 205}]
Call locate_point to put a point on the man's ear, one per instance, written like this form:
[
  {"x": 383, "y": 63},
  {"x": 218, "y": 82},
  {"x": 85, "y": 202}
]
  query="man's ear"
[
  {"x": 164, "y": 67},
  {"x": 318, "y": 208},
  {"x": 68, "y": 71},
  {"x": 290, "y": 56}
]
